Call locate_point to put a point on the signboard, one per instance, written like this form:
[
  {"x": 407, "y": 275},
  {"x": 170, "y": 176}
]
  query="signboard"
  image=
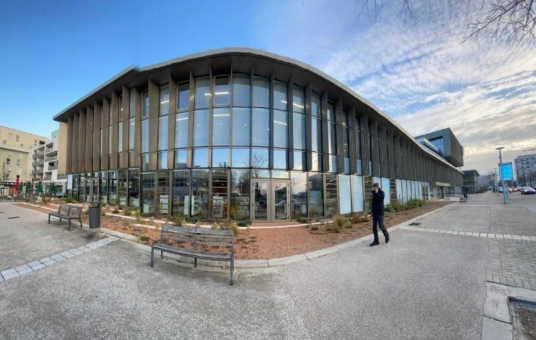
[{"x": 507, "y": 172}]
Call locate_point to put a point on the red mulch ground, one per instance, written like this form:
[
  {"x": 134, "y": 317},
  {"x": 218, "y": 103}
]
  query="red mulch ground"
[{"x": 256, "y": 244}]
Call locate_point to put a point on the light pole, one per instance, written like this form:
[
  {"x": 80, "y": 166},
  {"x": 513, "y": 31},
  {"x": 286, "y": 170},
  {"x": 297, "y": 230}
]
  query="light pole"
[{"x": 502, "y": 172}]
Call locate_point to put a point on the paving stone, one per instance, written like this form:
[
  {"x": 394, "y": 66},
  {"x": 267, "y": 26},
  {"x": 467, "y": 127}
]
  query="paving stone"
[
  {"x": 46, "y": 259},
  {"x": 76, "y": 252},
  {"x": 2, "y": 279},
  {"x": 39, "y": 266},
  {"x": 11, "y": 276},
  {"x": 49, "y": 263},
  {"x": 33, "y": 263},
  {"x": 25, "y": 271},
  {"x": 57, "y": 256},
  {"x": 84, "y": 249},
  {"x": 68, "y": 255},
  {"x": 8, "y": 271},
  {"x": 19, "y": 268}
]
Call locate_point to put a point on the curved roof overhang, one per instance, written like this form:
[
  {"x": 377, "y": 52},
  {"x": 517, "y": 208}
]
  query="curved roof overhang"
[{"x": 242, "y": 60}]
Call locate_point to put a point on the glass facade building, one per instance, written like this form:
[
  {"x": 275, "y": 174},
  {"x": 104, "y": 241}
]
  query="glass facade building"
[{"x": 240, "y": 134}]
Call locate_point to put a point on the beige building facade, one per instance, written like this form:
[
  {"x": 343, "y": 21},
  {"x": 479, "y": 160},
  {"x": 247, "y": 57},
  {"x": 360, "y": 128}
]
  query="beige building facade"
[{"x": 16, "y": 148}]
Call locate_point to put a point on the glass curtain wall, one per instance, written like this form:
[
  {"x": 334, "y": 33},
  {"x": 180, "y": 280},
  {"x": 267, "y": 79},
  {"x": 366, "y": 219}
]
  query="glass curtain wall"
[
  {"x": 331, "y": 200},
  {"x": 134, "y": 188},
  {"x": 280, "y": 133},
  {"x": 316, "y": 132},
  {"x": 240, "y": 195},
  {"x": 358, "y": 145},
  {"x": 103, "y": 190},
  {"x": 299, "y": 135},
  {"x": 181, "y": 125},
  {"x": 122, "y": 188},
  {"x": 181, "y": 192},
  {"x": 260, "y": 124},
  {"x": 112, "y": 187},
  {"x": 131, "y": 127},
  {"x": 163, "y": 199},
  {"x": 316, "y": 194},
  {"x": 199, "y": 199},
  {"x": 221, "y": 115},
  {"x": 145, "y": 131},
  {"x": 219, "y": 197},
  {"x": 345, "y": 141},
  {"x": 147, "y": 192},
  {"x": 120, "y": 133},
  {"x": 298, "y": 191}
]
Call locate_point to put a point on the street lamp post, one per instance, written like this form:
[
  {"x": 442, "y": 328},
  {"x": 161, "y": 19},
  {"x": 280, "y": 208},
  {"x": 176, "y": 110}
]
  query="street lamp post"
[{"x": 502, "y": 172}]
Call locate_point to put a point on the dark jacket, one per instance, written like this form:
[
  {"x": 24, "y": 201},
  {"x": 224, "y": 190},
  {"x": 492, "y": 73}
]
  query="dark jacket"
[{"x": 377, "y": 202}]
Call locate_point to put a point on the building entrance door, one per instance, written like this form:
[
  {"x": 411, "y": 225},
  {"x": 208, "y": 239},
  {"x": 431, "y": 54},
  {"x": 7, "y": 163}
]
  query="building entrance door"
[
  {"x": 92, "y": 190},
  {"x": 269, "y": 200}
]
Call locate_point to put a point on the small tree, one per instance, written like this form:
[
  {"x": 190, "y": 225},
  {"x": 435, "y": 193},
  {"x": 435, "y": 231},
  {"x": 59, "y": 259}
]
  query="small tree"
[{"x": 5, "y": 174}]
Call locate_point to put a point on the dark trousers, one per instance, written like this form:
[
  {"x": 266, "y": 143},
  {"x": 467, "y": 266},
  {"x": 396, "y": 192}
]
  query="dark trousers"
[{"x": 378, "y": 219}]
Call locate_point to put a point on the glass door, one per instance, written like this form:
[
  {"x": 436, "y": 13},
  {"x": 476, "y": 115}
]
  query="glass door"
[
  {"x": 259, "y": 199},
  {"x": 281, "y": 200}
]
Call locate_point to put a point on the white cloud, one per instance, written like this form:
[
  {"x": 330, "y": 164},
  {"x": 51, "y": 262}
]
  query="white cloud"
[{"x": 422, "y": 75}]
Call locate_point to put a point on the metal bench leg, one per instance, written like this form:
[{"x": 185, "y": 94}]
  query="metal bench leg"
[
  {"x": 48, "y": 219},
  {"x": 232, "y": 272},
  {"x": 162, "y": 254},
  {"x": 195, "y": 263},
  {"x": 80, "y": 223},
  {"x": 152, "y": 256}
]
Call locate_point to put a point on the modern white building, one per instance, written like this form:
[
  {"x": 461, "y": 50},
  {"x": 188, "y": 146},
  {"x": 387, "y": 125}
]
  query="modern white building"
[
  {"x": 526, "y": 169},
  {"x": 46, "y": 165}
]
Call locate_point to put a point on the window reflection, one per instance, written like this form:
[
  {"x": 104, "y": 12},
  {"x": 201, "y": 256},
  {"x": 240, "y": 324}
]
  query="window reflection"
[
  {"x": 220, "y": 127},
  {"x": 202, "y": 93},
  {"x": 261, "y": 92},
  {"x": 298, "y": 190},
  {"x": 280, "y": 96},
  {"x": 221, "y": 91},
  {"x": 298, "y": 99},
  {"x": 220, "y": 158},
  {"x": 241, "y": 126},
  {"x": 241, "y": 90},
  {"x": 201, "y": 128},
  {"x": 280, "y": 159},
  {"x": 181, "y": 130},
  {"x": 183, "y": 98},
  {"x": 201, "y": 158},
  {"x": 280, "y": 129},
  {"x": 240, "y": 158},
  {"x": 261, "y": 127}
]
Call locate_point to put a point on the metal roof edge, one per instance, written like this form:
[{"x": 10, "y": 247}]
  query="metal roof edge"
[{"x": 126, "y": 71}]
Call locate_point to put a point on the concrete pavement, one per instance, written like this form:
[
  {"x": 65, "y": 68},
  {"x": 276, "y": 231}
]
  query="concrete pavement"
[{"x": 422, "y": 285}]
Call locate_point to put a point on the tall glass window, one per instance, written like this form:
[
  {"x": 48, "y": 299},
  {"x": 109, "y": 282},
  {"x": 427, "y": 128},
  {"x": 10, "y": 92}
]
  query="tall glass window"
[
  {"x": 221, "y": 92},
  {"x": 316, "y": 190},
  {"x": 219, "y": 197},
  {"x": 134, "y": 188},
  {"x": 120, "y": 137},
  {"x": 112, "y": 187},
  {"x": 180, "y": 159},
  {"x": 298, "y": 98},
  {"x": 109, "y": 139},
  {"x": 220, "y": 127},
  {"x": 202, "y": 93},
  {"x": 181, "y": 192},
  {"x": 298, "y": 191},
  {"x": 241, "y": 90},
  {"x": 147, "y": 191},
  {"x": 220, "y": 157},
  {"x": 162, "y": 160},
  {"x": 145, "y": 104},
  {"x": 200, "y": 198},
  {"x": 259, "y": 158},
  {"x": 241, "y": 126},
  {"x": 261, "y": 92},
  {"x": 131, "y": 133},
  {"x": 163, "y": 133},
  {"x": 181, "y": 130},
  {"x": 280, "y": 96},
  {"x": 280, "y": 159},
  {"x": 145, "y": 136},
  {"x": 201, "y": 128},
  {"x": 358, "y": 144},
  {"x": 201, "y": 158},
  {"x": 240, "y": 194},
  {"x": 240, "y": 157},
  {"x": 280, "y": 129},
  {"x": 261, "y": 127},
  {"x": 103, "y": 190},
  {"x": 164, "y": 101},
  {"x": 345, "y": 141},
  {"x": 331, "y": 199},
  {"x": 132, "y": 104},
  {"x": 183, "y": 97}
]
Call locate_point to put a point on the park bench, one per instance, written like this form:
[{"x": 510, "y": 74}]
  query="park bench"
[
  {"x": 67, "y": 212},
  {"x": 204, "y": 244}
]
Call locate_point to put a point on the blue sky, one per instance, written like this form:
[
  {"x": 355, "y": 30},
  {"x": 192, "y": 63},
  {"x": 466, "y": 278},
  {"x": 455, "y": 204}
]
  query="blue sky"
[{"x": 422, "y": 75}]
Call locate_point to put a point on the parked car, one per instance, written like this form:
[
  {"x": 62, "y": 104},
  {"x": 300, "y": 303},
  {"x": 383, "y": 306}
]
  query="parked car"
[
  {"x": 518, "y": 189},
  {"x": 500, "y": 189},
  {"x": 528, "y": 191}
]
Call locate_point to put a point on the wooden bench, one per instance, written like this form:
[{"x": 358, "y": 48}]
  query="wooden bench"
[
  {"x": 67, "y": 212},
  {"x": 197, "y": 244}
]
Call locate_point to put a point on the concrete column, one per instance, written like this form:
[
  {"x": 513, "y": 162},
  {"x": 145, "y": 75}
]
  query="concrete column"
[
  {"x": 374, "y": 147},
  {"x": 339, "y": 136},
  {"x": 81, "y": 141},
  {"x": 154, "y": 106},
  {"x": 172, "y": 121},
  {"x": 325, "y": 143},
  {"x": 104, "y": 126},
  {"x": 69, "y": 145},
  {"x": 308, "y": 128},
  {"x": 137, "y": 129},
  {"x": 89, "y": 139},
  {"x": 290, "y": 126},
  {"x": 114, "y": 107},
  {"x": 74, "y": 149},
  {"x": 96, "y": 135},
  {"x": 352, "y": 140},
  {"x": 384, "y": 170},
  {"x": 189, "y": 159},
  {"x": 125, "y": 114},
  {"x": 365, "y": 145}
]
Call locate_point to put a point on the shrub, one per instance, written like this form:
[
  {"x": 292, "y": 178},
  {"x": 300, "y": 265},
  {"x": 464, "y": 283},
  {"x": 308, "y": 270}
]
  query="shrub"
[
  {"x": 138, "y": 216},
  {"x": 396, "y": 205},
  {"x": 389, "y": 208},
  {"x": 151, "y": 220},
  {"x": 348, "y": 224},
  {"x": 103, "y": 212},
  {"x": 68, "y": 200},
  {"x": 336, "y": 229},
  {"x": 192, "y": 220},
  {"x": 339, "y": 220},
  {"x": 146, "y": 215},
  {"x": 115, "y": 211},
  {"x": 314, "y": 228},
  {"x": 127, "y": 211},
  {"x": 245, "y": 223},
  {"x": 179, "y": 220},
  {"x": 302, "y": 220},
  {"x": 144, "y": 238},
  {"x": 414, "y": 203},
  {"x": 107, "y": 206}
]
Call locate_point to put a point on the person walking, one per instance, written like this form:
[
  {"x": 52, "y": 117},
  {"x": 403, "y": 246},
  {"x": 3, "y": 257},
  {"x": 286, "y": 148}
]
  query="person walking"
[{"x": 377, "y": 214}]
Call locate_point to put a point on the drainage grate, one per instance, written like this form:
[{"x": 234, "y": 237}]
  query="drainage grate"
[
  {"x": 523, "y": 315},
  {"x": 10, "y": 218},
  {"x": 415, "y": 223}
]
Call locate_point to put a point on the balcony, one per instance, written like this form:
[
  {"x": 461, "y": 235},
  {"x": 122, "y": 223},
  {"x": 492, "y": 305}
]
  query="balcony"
[
  {"x": 51, "y": 152},
  {"x": 62, "y": 177},
  {"x": 53, "y": 167},
  {"x": 37, "y": 172},
  {"x": 52, "y": 157},
  {"x": 47, "y": 178},
  {"x": 38, "y": 163}
]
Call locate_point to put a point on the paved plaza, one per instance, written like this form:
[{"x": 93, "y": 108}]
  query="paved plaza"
[{"x": 427, "y": 283}]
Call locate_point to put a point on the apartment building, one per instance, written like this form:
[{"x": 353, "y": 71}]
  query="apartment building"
[
  {"x": 526, "y": 169},
  {"x": 15, "y": 149},
  {"x": 45, "y": 165}
]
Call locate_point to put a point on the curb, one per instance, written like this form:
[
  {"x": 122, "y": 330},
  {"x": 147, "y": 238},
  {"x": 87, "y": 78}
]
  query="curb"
[{"x": 260, "y": 264}]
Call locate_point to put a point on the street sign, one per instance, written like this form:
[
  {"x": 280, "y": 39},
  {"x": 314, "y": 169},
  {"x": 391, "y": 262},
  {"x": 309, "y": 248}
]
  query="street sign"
[{"x": 507, "y": 172}]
